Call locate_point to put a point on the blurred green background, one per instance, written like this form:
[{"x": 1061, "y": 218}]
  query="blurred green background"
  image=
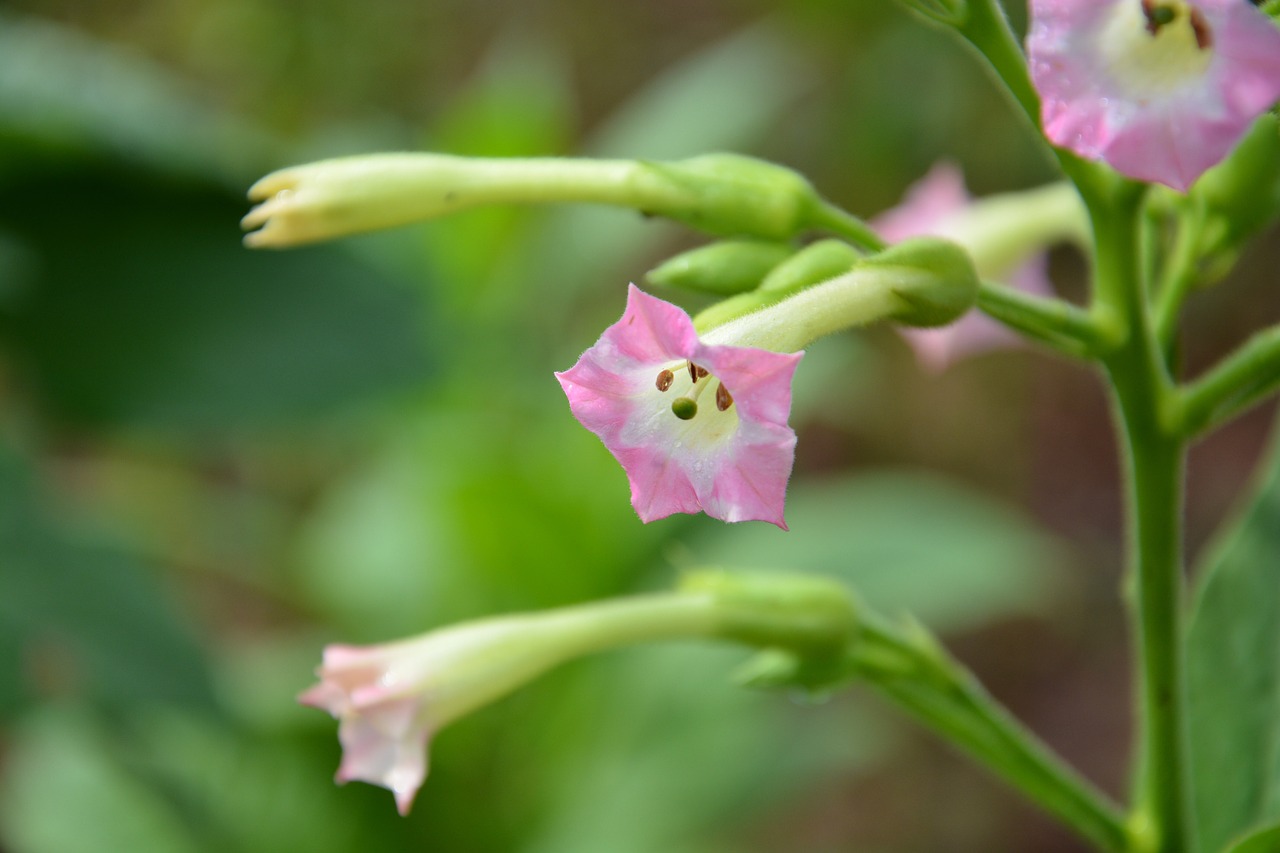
[{"x": 213, "y": 461}]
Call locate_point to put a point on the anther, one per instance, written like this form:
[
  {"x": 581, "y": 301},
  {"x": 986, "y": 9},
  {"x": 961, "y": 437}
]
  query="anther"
[
  {"x": 723, "y": 398},
  {"x": 665, "y": 378},
  {"x": 1199, "y": 26},
  {"x": 684, "y": 408}
]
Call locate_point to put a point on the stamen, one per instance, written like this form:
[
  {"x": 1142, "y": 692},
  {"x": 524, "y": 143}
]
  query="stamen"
[
  {"x": 723, "y": 398},
  {"x": 1199, "y": 26},
  {"x": 1157, "y": 16},
  {"x": 693, "y": 373},
  {"x": 700, "y": 371},
  {"x": 665, "y": 378},
  {"x": 684, "y": 408}
]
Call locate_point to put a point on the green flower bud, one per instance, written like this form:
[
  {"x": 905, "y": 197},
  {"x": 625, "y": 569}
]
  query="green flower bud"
[
  {"x": 725, "y": 268},
  {"x": 814, "y": 263},
  {"x": 937, "y": 283}
]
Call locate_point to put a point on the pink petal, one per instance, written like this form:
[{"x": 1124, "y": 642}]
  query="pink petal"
[
  {"x": 1166, "y": 134},
  {"x": 735, "y": 470},
  {"x": 385, "y": 746}
]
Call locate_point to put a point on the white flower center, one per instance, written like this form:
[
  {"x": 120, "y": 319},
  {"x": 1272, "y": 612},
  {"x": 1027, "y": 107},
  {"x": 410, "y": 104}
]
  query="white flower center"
[
  {"x": 696, "y": 405},
  {"x": 1153, "y": 47}
]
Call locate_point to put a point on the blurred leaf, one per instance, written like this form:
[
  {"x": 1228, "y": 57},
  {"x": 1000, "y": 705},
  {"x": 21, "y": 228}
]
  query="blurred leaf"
[
  {"x": 62, "y": 93},
  {"x": 671, "y": 756},
  {"x": 144, "y": 309},
  {"x": 906, "y": 543},
  {"x": 63, "y": 791},
  {"x": 747, "y": 81},
  {"x": 1233, "y": 659},
  {"x": 1263, "y": 841},
  {"x": 87, "y": 617}
]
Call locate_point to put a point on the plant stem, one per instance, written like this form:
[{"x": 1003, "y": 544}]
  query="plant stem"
[
  {"x": 1153, "y": 456},
  {"x": 1054, "y": 322},
  {"x": 913, "y": 671},
  {"x": 1238, "y": 382}
]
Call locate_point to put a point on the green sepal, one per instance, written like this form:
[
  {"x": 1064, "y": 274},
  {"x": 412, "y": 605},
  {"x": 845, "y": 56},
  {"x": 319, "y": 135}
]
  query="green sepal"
[{"x": 728, "y": 194}]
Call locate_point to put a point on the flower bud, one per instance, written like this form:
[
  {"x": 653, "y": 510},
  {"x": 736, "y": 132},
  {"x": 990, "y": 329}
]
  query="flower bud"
[
  {"x": 725, "y": 268},
  {"x": 723, "y": 194},
  {"x": 937, "y": 282}
]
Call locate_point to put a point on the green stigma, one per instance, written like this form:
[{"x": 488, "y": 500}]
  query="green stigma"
[{"x": 684, "y": 408}]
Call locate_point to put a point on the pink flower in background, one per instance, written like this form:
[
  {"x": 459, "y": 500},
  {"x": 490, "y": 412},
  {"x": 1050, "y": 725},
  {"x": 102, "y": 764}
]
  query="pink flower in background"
[
  {"x": 1159, "y": 89},
  {"x": 696, "y": 427},
  {"x": 935, "y": 206}
]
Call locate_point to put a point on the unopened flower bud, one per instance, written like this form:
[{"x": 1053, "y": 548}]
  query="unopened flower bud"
[
  {"x": 723, "y": 194},
  {"x": 726, "y": 267}
]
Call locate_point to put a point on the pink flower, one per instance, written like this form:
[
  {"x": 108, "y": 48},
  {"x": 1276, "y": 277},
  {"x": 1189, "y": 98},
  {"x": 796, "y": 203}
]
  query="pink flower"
[
  {"x": 1159, "y": 89},
  {"x": 696, "y": 426},
  {"x": 936, "y": 206},
  {"x": 391, "y": 698}
]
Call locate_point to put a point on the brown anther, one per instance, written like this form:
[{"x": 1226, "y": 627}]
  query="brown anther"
[
  {"x": 665, "y": 378},
  {"x": 1199, "y": 26},
  {"x": 723, "y": 399}
]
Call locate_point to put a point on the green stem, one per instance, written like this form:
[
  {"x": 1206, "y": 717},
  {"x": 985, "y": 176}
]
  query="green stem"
[
  {"x": 912, "y": 671},
  {"x": 1059, "y": 324},
  {"x": 1154, "y": 460},
  {"x": 1178, "y": 277},
  {"x": 987, "y": 29},
  {"x": 837, "y": 220},
  {"x": 1243, "y": 379}
]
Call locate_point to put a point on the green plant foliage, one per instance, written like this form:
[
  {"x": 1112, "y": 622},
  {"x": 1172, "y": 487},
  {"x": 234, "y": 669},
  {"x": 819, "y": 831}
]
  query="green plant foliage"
[
  {"x": 1234, "y": 673},
  {"x": 909, "y": 542},
  {"x": 86, "y": 618}
]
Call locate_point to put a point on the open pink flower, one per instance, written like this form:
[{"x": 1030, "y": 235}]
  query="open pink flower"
[
  {"x": 935, "y": 206},
  {"x": 696, "y": 426},
  {"x": 1159, "y": 89}
]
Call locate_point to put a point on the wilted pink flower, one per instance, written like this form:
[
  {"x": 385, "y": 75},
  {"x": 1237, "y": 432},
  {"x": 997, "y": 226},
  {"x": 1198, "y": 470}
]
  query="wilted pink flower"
[
  {"x": 390, "y": 699},
  {"x": 935, "y": 206},
  {"x": 696, "y": 426},
  {"x": 1159, "y": 89}
]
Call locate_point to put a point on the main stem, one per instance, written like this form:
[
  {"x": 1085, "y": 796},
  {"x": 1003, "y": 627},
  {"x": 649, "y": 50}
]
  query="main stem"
[{"x": 1154, "y": 463}]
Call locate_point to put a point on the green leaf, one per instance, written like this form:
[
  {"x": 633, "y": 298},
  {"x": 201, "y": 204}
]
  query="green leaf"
[
  {"x": 1233, "y": 659},
  {"x": 64, "y": 791},
  {"x": 88, "y": 617},
  {"x": 1263, "y": 841},
  {"x": 141, "y": 308},
  {"x": 906, "y": 543}
]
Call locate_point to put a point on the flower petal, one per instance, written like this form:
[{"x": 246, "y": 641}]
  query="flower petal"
[{"x": 731, "y": 458}]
